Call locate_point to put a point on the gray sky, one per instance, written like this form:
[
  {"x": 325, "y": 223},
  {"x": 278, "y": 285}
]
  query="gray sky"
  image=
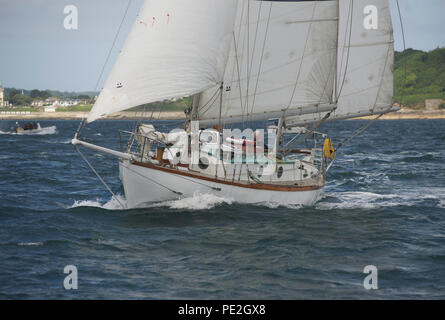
[{"x": 37, "y": 52}]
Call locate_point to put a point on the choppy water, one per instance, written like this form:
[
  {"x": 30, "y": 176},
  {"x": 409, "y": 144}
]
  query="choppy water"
[{"x": 384, "y": 205}]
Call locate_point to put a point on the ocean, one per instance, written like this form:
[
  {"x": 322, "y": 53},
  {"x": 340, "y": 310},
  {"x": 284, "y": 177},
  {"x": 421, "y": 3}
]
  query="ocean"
[{"x": 384, "y": 205}]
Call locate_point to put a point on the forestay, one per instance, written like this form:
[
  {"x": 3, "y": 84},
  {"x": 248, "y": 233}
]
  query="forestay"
[
  {"x": 176, "y": 48},
  {"x": 282, "y": 60},
  {"x": 365, "y": 60}
]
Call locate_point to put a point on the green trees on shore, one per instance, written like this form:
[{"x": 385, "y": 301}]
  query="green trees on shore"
[{"x": 425, "y": 76}]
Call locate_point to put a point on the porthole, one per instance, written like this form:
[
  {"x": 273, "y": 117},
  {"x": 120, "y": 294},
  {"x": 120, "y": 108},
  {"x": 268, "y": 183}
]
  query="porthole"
[
  {"x": 203, "y": 163},
  {"x": 280, "y": 172}
]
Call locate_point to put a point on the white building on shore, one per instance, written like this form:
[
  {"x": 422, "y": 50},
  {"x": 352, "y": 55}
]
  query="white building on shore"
[
  {"x": 3, "y": 103},
  {"x": 51, "y": 108}
]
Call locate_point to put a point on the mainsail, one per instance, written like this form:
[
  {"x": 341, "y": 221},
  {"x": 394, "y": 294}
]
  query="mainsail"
[
  {"x": 365, "y": 62},
  {"x": 250, "y": 60},
  {"x": 282, "y": 62},
  {"x": 175, "y": 48}
]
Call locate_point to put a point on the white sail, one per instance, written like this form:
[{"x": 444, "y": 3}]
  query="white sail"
[
  {"x": 282, "y": 60},
  {"x": 365, "y": 62},
  {"x": 175, "y": 48}
]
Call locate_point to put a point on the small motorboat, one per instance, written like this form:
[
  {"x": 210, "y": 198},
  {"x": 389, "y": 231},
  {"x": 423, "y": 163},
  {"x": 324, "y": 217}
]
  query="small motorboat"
[{"x": 27, "y": 127}]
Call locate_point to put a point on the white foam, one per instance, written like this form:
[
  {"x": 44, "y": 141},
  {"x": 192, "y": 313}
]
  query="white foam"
[
  {"x": 275, "y": 205},
  {"x": 199, "y": 201},
  {"x": 30, "y": 243},
  {"x": 369, "y": 200},
  {"x": 112, "y": 204},
  {"x": 353, "y": 200}
]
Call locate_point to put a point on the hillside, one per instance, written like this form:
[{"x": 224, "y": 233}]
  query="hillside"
[{"x": 425, "y": 76}]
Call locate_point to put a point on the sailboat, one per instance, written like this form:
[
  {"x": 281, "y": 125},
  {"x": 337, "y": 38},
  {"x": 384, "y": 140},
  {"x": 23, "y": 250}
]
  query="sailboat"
[{"x": 294, "y": 64}]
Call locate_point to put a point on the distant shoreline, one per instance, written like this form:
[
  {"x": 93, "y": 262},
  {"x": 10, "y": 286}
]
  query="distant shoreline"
[
  {"x": 165, "y": 115},
  {"x": 408, "y": 114},
  {"x": 404, "y": 114}
]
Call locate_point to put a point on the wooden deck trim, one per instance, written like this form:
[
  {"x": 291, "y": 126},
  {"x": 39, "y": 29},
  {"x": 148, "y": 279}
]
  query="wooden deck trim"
[{"x": 258, "y": 186}]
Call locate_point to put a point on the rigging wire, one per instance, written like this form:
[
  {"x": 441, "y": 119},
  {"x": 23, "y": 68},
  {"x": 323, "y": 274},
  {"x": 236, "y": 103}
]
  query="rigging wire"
[
  {"x": 248, "y": 56},
  {"x": 250, "y": 65},
  {"x": 302, "y": 57},
  {"x": 82, "y": 122},
  {"x": 356, "y": 133},
  {"x": 99, "y": 177},
  {"x": 307, "y": 133},
  {"x": 154, "y": 181},
  {"x": 239, "y": 76},
  {"x": 262, "y": 55},
  {"x": 254, "y": 45},
  {"x": 200, "y": 183},
  {"x": 236, "y": 43},
  {"x": 350, "y": 16},
  {"x": 404, "y": 48},
  {"x": 206, "y": 106}
]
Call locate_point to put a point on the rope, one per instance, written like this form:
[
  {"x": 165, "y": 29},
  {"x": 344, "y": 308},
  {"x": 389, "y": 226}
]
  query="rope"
[
  {"x": 238, "y": 69},
  {"x": 236, "y": 44},
  {"x": 350, "y": 15},
  {"x": 261, "y": 59},
  {"x": 99, "y": 177},
  {"x": 302, "y": 57}
]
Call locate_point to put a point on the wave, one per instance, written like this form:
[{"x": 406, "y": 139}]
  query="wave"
[
  {"x": 30, "y": 243},
  {"x": 369, "y": 200},
  {"x": 199, "y": 201},
  {"x": 432, "y": 197},
  {"x": 112, "y": 204},
  {"x": 42, "y": 131},
  {"x": 275, "y": 205},
  {"x": 355, "y": 200}
]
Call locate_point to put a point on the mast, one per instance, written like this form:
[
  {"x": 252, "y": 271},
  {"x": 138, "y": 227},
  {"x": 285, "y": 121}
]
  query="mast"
[
  {"x": 195, "y": 103},
  {"x": 220, "y": 104},
  {"x": 279, "y": 134}
]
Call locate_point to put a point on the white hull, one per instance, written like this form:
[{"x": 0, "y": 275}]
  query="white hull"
[{"x": 143, "y": 185}]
